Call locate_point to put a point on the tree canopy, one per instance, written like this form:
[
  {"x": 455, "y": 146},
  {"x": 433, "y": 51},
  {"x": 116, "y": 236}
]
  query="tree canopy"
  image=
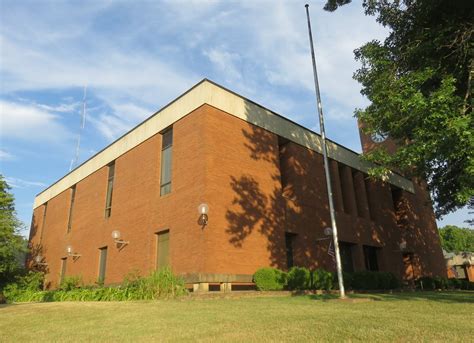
[
  {"x": 12, "y": 244},
  {"x": 456, "y": 239},
  {"x": 419, "y": 83}
]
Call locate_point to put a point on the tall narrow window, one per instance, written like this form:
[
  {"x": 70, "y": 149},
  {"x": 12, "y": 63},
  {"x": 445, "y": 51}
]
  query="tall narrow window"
[
  {"x": 396, "y": 198},
  {"x": 370, "y": 257},
  {"x": 283, "y": 159},
  {"x": 110, "y": 187},
  {"x": 163, "y": 249},
  {"x": 166, "y": 156},
  {"x": 289, "y": 238},
  {"x": 102, "y": 264},
  {"x": 346, "y": 256},
  {"x": 63, "y": 270},
  {"x": 71, "y": 206},
  {"x": 43, "y": 222}
]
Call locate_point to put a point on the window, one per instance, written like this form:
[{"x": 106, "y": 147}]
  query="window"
[
  {"x": 163, "y": 249},
  {"x": 396, "y": 198},
  {"x": 73, "y": 195},
  {"x": 346, "y": 256},
  {"x": 43, "y": 221},
  {"x": 63, "y": 270},
  {"x": 102, "y": 264},
  {"x": 289, "y": 239},
  {"x": 166, "y": 156},
  {"x": 370, "y": 258},
  {"x": 110, "y": 187},
  {"x": 344, "y": 191},
  {"x": 369, "y": 187},
  {"x": 283, "y": 159}
]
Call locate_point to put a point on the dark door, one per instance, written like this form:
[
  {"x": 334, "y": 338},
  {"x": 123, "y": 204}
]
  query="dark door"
[
  {"x": 163, "y": 250},
  {"x": 102, "y": 264}
]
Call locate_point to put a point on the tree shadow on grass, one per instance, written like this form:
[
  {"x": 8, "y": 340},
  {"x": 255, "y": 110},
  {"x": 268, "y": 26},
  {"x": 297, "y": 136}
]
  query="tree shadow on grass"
[{"x": 445, "y": 297}]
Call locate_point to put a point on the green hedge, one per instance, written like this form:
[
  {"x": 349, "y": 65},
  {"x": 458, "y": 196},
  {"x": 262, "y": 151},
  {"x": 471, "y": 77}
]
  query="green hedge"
[
  {"x": 269, "y": 279},
  {"x": 429, "y": 283},
  {"x": 322, "y": 279},
  {"x": 160, "y": 284},
  {"x": 299, "y": 278},
  {"x": 368, "y": 280}
]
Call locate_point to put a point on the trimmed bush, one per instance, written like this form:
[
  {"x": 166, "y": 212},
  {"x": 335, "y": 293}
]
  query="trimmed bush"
[
  {"x": 426, "y": 283},
  {"x": 269, "y": 279},
  {"x": 370, "y": 280},
  {"x": 348, "y": 280},
  {"x": 299, "y": 278},
  {"x": 433, "y": 283},
  {"x": 322, "y": 280},
  {"x": 441, "y": 282}
]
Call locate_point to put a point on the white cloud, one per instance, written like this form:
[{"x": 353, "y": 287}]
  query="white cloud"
[
  {"x": 30, "y": 122},
  {"x": 62, "y": 108},
  {"x": 226, "y": 63},
  {"x": 5, "y": 155},
  {"x": 20, "y": 183}
]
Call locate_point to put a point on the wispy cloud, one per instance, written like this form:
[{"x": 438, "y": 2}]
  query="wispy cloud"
[
  {"x": 20, "y": 183},
  {"x": 30, "y": 122},
  {"x": 225, "y": 62},
  {"x": 5, "y": 155}
]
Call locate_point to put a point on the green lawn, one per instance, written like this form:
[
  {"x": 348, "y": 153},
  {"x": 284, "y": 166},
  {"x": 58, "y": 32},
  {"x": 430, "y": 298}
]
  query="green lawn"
[{"x": 443, "y": 316}]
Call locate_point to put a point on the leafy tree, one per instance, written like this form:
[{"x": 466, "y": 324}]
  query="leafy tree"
[
  {"x": 470, "y": 206},
  {"x": 456, "y": 239},
  {"x": 419, "y": 83},
  {"x": 12, "y": 244}
]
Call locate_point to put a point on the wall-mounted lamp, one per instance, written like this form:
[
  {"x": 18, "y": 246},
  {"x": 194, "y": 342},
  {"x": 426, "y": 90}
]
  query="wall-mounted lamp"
[
  {"x": 403, "y": 245},
  {"x": 328, "y": 231},
  {"x": 119, "y": 242},
  {"x": 203, "y": 210},
  {"x": 71, "y": 253},
  {"x": 39, "y": 261}
]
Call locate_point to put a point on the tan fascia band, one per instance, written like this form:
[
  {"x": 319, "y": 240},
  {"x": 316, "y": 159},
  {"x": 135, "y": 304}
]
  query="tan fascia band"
[{"x": 207, "y": 92}]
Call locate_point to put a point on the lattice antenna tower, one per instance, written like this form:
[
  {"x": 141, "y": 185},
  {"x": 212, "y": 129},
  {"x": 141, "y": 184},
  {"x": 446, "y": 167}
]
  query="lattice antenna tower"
[{"x": 81, "y": 128}]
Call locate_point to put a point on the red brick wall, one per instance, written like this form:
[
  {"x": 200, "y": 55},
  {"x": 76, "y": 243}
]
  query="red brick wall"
[{"x": 235, "y": 168}]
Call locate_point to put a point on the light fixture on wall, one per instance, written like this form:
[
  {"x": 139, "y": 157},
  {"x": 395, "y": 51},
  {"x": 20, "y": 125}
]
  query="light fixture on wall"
[
  {"x": 203, "y": 210},
  {"x": 71, "y": 253},
  {"x": 119, "y": 242},
  {"x": 327, "y": 232},
  {"x": 39, "y": 261},
  {"x": 403, "y": 245}
]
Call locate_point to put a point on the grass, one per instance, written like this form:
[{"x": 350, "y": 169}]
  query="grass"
[{"x": 430, "y": 316}]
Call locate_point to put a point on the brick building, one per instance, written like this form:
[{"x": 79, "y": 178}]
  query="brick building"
[{"x": 261, "y": 176}]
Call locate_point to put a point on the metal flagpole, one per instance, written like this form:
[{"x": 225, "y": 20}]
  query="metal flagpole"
[{"x": 326, "y": 163}]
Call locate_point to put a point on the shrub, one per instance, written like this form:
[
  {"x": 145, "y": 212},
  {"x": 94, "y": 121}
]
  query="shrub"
[
  {"x": 370, "y": 280},
  {"x": 455, "y": 283},
  {"x": 425, "y": 283},
  {"x": 441, "y": 282},
  {"x": 30, "y": 283},
  {"x": 348, "y": 280},
  {"x": 70, "y": 282},
  {"x": 269, "y": 279},
  {"x": 160, "y": 284},
  {"x": 322, "y": 279},
  {"x": 299, "y": 278}
]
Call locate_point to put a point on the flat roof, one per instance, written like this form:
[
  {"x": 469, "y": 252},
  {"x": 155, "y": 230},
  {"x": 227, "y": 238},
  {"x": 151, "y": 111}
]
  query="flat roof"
[{"x": 211, "y": 93}]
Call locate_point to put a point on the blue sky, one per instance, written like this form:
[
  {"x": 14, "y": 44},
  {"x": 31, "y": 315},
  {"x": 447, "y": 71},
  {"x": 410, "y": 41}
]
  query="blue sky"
[{"x": 136, "y": 56}]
